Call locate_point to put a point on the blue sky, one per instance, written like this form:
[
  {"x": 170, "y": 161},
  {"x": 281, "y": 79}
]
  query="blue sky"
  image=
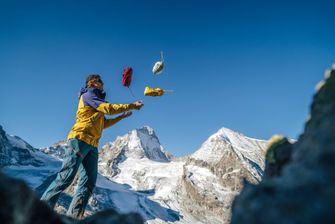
[{"x": 250, "y": 66}]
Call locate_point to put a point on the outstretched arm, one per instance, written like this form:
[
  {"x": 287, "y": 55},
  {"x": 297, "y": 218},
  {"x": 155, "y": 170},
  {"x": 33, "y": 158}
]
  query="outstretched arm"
[
  {"x": 111, "y": 109},
  {"x": 103, "y": 106}
]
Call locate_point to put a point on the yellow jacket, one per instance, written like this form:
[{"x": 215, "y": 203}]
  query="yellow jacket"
[{"x": 90, "y": 117}]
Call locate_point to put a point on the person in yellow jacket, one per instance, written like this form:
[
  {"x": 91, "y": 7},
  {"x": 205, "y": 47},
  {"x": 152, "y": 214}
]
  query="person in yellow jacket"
[{"x": 83, "y": 141}]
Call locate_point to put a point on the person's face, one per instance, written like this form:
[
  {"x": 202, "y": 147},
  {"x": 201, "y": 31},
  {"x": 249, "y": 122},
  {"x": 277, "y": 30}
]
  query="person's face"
[{"x": 99, "y": 84}]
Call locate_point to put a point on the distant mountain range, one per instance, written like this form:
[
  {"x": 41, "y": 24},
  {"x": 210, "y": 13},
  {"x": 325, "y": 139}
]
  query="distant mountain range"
[{"x": 137, "y": 174}]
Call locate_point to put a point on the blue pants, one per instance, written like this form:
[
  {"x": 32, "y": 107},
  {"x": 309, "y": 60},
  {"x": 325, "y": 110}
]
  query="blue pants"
[{"x": 80, "y": 156}]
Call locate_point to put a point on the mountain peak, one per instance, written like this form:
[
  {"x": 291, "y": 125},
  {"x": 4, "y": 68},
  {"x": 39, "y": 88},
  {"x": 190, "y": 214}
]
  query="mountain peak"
[
  {"x": 227, "y": 131},
  {"x": 16, "y": 151},
  {"x": 232, "y": 137},
  {"x": 226, "y": 139},
  {"x": 146, "y": 129},
  {"x": 139, "y": 143}
]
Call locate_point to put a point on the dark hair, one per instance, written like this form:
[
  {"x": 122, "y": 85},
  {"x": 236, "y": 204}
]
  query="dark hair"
[{"x": 92, "y": 77}]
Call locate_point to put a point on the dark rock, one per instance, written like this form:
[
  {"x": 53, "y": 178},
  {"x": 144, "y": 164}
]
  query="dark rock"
[
  {"x": 303, "y": 191},
  {"x": 278, "y": 154},
  {"x": 19, "y": 204},
  {"x": 112, "y": 217}
]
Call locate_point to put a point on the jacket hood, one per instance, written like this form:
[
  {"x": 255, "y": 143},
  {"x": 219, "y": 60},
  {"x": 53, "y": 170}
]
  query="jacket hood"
[
  {"x": 82, "y": 91},
  {"x": 99, "y": 93}
]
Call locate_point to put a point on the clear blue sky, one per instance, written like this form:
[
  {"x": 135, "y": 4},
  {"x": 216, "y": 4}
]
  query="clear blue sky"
[{"x": 250, "y": 66}]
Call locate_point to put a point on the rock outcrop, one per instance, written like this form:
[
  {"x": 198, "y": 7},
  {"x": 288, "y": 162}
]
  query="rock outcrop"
[
  {"x": 279, "y": 153},
  {"x": 303, "y": 192},
  {"x": 15, "y": 151},
  {"x": 19, "y": 204}
]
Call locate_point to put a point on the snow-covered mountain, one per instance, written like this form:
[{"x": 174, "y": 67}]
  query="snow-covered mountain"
[
  {"x": 137, "y": 144},
  {"x": 138, "y": 160},
  {"x": 249, "y": 151},
  {"x": 21, "y": 160},
  {"x": 56, "y": 150},
  {"x": 213, "y": 175},
  {"x": 15, "y": 151},
  {"x": 137, "y": 174}
]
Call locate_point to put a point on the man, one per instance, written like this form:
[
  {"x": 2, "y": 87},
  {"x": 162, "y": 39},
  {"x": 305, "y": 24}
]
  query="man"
[{"x": 83, "y": 141}]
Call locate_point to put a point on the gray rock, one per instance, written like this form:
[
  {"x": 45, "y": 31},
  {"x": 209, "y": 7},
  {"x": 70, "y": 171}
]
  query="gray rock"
[
  {"x": 304, "y": 192},
  {"x": 19, "y": 204},
  {"x": 112, "y": 217},
  {"x": 15, "y": 151},
  {"x": 278, "y": 155},
  {"x": 4, "y": 149}
]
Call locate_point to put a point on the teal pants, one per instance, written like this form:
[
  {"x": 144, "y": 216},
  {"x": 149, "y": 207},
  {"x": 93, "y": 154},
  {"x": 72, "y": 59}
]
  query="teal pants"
[{"x": 80, "y": 156}]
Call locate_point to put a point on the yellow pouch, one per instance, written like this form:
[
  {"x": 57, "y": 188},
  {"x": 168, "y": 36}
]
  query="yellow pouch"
[{"x": 153, "y": 91}]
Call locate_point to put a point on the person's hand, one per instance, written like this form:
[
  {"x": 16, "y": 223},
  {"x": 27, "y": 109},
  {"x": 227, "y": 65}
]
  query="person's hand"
[
  {"x": 126, "y": 114},
  {"x": 138, "y": 105}
]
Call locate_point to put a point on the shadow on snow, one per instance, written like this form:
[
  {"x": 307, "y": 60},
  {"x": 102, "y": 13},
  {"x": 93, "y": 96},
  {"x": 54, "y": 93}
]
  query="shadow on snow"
[{"x": 121, "y": 198}]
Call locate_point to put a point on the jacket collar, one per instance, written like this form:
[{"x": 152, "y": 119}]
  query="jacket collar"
[{"x": 99, "y": 93}]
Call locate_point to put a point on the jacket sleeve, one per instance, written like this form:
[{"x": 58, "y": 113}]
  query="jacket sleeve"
[
  {"x": 103, "y": 106},
  {"x": 111, "y": 109},
  {"x": 110, "y": 122}
]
